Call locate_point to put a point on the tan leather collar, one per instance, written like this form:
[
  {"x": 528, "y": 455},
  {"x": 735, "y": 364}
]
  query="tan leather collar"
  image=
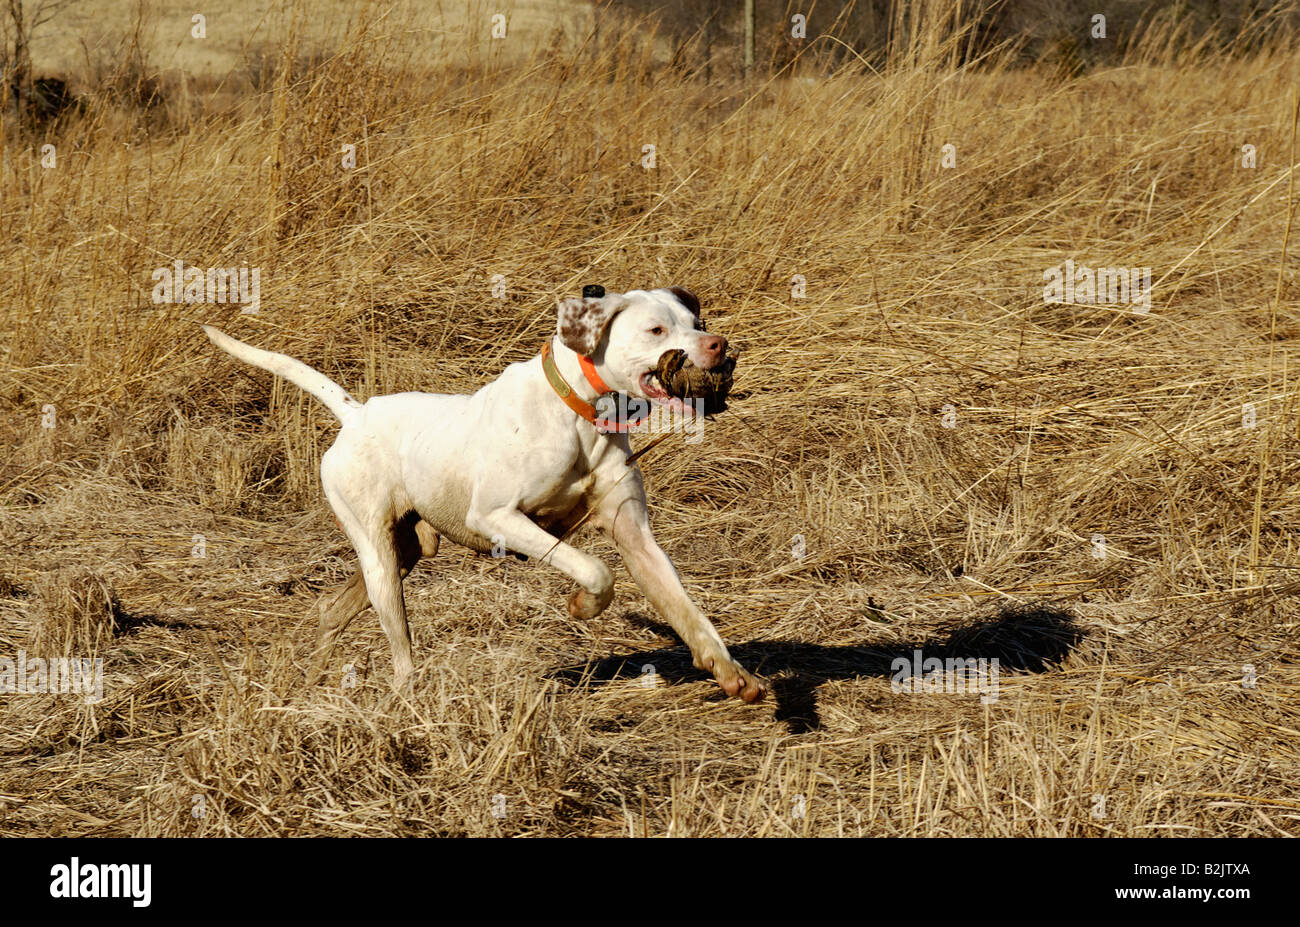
[{"x": 580, "y": 406}]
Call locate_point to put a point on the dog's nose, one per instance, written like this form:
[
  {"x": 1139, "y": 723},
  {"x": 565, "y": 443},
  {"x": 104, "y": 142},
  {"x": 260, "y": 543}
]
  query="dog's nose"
[{"x": 714, "y": 349}]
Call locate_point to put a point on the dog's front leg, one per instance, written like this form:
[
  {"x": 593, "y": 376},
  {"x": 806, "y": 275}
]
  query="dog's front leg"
[
  {"x": 516, "y": 531},
  {"x": 623, "y": 515}
]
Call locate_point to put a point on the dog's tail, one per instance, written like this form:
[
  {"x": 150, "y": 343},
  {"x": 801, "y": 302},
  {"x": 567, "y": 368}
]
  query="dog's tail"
[{"x": 295, "y": 371}]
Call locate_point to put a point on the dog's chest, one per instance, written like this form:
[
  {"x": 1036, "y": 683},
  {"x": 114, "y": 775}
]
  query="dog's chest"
[{"x": 567, "y": 494}]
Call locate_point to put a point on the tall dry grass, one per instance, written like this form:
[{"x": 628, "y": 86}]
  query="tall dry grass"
[{"x": 1122, "y": 709}]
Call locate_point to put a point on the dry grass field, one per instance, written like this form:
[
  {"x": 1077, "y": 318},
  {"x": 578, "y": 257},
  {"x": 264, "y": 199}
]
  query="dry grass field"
[{"x": 921, "y": 452}]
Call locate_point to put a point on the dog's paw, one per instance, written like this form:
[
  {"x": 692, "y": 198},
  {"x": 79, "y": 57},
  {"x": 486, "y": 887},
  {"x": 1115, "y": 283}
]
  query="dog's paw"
[
  {"x": 733, "y": 678},
  {"x": 584, "y": 605}
]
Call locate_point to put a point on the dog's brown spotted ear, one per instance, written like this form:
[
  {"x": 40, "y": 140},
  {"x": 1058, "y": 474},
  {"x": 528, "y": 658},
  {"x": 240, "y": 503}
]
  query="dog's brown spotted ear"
[
  {"x": 581, "y": 320},
  {"x": 687, "y": 298}
]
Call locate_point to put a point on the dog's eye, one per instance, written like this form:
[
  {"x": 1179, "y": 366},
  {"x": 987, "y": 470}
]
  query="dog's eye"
[{"x": 657, "y": 330}]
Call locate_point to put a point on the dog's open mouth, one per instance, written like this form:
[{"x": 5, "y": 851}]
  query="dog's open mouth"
[{"x": 676, "y": 379}]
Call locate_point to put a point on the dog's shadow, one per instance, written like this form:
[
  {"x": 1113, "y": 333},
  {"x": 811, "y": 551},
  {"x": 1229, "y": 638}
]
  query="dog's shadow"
[{"x": 1023, "y": 639}]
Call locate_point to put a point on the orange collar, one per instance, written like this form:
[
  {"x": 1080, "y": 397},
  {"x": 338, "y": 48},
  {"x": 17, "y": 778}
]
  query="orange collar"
[
  {"x": 580, "y": 406},
  {"x": 589, "y": 369}
]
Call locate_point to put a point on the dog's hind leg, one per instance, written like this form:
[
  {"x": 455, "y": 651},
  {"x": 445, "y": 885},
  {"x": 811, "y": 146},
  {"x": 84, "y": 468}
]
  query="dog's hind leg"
[
  {"x": 414, "y": 539},
  {"x": 337, "y": 609}
]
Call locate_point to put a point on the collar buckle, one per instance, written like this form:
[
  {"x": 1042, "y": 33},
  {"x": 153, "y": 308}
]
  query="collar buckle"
[{"x": 627, "y": 412}]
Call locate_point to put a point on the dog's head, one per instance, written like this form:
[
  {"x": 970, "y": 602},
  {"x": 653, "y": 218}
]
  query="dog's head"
[{"x": 650, "y": 344}]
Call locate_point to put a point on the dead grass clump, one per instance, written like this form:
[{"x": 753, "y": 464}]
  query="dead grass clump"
[
  {"x": 223, "y": 474},
  {"x": 79, "y": 613},
  {"x": 357, "y": 761}
]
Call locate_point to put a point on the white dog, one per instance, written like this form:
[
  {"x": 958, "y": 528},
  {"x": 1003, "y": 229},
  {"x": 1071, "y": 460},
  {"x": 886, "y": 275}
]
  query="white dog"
[{"x": 515, "y": 464}]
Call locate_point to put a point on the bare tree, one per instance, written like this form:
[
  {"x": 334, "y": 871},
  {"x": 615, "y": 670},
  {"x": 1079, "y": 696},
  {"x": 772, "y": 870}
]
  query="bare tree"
[{"x": 19, "y": 28}]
